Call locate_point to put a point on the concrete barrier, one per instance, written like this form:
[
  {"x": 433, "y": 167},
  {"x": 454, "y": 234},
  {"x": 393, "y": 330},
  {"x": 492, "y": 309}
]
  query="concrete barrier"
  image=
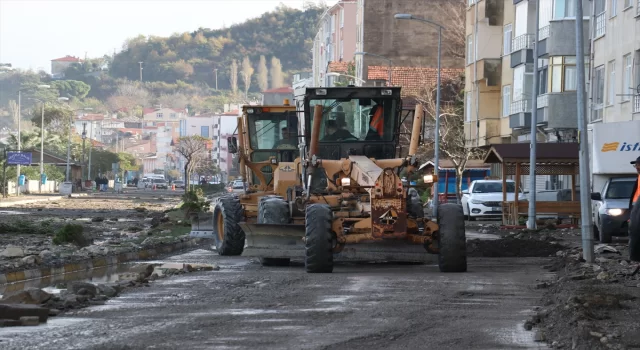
[{"x": 95, "y": 263}]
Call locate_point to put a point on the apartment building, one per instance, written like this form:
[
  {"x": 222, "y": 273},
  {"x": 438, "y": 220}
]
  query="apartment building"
[
  {"x": 615, "y": 78},
  {"x": 500, "y": 70},
  {"x": 405, "y": 43},
  {"x": 335, "y": 40}
]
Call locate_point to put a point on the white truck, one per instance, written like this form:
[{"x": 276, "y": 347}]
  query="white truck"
[{"x": 613, "y": 147}]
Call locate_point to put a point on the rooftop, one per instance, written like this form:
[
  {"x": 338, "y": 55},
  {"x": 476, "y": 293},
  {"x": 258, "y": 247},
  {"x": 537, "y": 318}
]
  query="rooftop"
[
  {"x": 412, "y": 79},
  {"x": 280, "y": 90},
  {"x": 67, "y": 58}
]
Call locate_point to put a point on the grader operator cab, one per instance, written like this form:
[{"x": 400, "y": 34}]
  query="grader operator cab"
[
  {"x": 267, "y": 152},
  {"x": 351, "y": 203}
]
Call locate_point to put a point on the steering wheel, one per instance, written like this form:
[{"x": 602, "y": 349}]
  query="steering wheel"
[{"x": 286, "y": 146}]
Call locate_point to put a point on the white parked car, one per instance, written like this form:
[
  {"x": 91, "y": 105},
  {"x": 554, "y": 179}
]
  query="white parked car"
[{"x": 484, "y": 198}]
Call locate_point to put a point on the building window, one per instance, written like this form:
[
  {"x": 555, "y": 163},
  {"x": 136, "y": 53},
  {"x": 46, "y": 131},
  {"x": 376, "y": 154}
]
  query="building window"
[
  {"x": 342, "y": 18},
  {"x": 506, "y": 100},
  {"x": 506, "y": 39},
  {"x": 159, "y": 115},
  {"x": 564, "y": 9},
  {"x": 470, "y": 55},
  {"x": 543, "y": 76},
  {"x": 598, "y": 94},
  {"x": 613, "y": 8},
  {"x": 601, "y": 24},
  {"x": 563, "y": 74},
  {"x": 627, "y": 4},
  {"x": 611, "y": 93},
  {"x": 467, "y": 107},
  {"x": 173, "y": 116},
  {"x": 204, "y": 131},
  {"x": 626, "y": 79},
  {"x": 341, "y": 49}
]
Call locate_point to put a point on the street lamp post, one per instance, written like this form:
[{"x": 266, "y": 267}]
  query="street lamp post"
[
  {"x": 382, "y": 57},
  {"x": 437, "y": 131},
  {"x": 84, "y": 138},
  {"x": 42, "y": 86}
]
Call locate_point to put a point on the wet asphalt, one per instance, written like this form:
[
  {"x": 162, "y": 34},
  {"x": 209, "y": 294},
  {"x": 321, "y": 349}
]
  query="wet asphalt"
[{"x": 359, "y": 306}]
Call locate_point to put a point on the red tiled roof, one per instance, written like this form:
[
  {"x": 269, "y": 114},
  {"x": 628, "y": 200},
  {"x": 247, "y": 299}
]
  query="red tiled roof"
[
  {"x": 339, "y": 67},
  {"x": 411, "y": 79},
  {"x": 68, "y": 58},
  {"x": 280, "y": 90}
]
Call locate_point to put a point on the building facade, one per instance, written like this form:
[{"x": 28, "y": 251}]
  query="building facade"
[
  {"x": 500, "y": 42},
  {"x": 405, "y": 43},
  {"x": 335, "y": 40},
  {"x": 60, "y": 65}
]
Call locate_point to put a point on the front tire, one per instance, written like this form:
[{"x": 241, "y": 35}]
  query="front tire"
[
  {"x": 274, "y": 210},
  {"x": 229, "y": 236},
  {"x": 318, "y": 239},
  {"x": 451, "y": 239}
]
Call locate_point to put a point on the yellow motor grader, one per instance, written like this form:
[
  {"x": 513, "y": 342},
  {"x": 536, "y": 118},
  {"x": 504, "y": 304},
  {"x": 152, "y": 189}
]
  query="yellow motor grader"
[
  {"x": 268, "y": 156},
  {"x": 347, "y": 201}
]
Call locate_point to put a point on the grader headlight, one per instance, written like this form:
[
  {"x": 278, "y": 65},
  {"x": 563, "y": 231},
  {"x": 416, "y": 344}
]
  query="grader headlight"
[{"x": 428, "y": 179}]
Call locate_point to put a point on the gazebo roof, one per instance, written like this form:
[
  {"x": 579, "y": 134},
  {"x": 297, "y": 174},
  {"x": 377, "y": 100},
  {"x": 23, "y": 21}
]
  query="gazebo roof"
[{"x": 546, "y": 153}]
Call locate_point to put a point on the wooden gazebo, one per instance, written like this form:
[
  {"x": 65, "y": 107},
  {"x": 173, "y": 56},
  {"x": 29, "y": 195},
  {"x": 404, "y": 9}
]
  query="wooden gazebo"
[{"x": 551, "y": 159}]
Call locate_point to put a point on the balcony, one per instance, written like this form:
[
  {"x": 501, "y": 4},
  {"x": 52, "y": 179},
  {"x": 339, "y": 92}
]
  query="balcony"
[
  {"x": 543, "y": 101},
  {"x": 636, "y": 98},
  {"x": 492, "y": 10},
  {"x": 558, "y": 110},
  {"x": 522, "y": 106},
  {"x": 559, "y": 38},
  {"x": 491, "y": 70},
  {"x": 521, "y": 50}
]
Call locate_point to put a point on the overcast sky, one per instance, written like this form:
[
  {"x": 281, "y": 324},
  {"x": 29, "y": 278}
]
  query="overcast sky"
[{"x": 33, "y": 32}]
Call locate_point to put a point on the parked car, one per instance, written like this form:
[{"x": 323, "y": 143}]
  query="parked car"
[
  {"x": 179, "y": 183},
  {"x": 611, "y": 208},
  {"x": 483, "y": 199},
  {"x": 159, "y": 183},
  {"x": 237, "y": 186}
]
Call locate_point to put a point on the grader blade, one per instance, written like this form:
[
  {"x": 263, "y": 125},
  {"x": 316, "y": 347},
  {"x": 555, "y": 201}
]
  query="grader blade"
[
  {"x": 202, "y": 226},
  {"x": 273, "y": 241},
  {"x": 287, "y": 241}
]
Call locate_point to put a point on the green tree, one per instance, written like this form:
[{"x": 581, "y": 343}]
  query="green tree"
[
  {"x": 71, "y": 88},
  {"x": 56, "y": 118}
]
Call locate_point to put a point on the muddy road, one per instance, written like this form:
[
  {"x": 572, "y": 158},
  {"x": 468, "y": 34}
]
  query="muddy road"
[{"x": 359, "y": 306}]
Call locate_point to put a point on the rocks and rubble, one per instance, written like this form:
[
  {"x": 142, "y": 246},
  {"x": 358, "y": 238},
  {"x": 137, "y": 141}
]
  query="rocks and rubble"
[
  {"x": 33, "y": 306},
  {"x": 590, "y": 305}
]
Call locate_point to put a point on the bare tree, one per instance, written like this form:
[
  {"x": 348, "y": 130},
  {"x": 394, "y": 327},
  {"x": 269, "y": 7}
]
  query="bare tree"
[
  {"x": 277, "y": 78},
  {"x": 194, "y": 150},
  {"x": 263, "y": 74},
  {"x": 175, "y": 100},
  {"x": 233, "y": 76},
  {"x": 128, "y": 96},
  {"x": 247, "y": 72},
  {"x": 453, "y": 144},
  {"x": 454, "y": 38}
]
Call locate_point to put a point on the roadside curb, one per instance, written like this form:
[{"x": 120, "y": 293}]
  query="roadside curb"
[
  {"x": 30, "y": 201},
  {"x": 101, "y": 262}
]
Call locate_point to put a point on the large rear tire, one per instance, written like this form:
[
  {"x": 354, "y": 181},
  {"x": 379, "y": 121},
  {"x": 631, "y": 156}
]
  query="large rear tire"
[
  {"x": 318, "y": 239},
  {"x": 229, "y": 236},
  {"x": 274, "y": 210},
  {"x": 451, "y": 239}
]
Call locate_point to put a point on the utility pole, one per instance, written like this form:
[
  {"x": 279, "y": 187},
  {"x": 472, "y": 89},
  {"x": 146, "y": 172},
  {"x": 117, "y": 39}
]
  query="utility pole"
[
  {"x": 84, "y": 138},
  {"x": 585, "y": 186},
  {"x": 19, "y": 141},
  {"x": 531, "y": 223},
  {"x": 90, "y": 149},
  {"x": 140, "y": 63},
  {"x": 41, "y": 150}
]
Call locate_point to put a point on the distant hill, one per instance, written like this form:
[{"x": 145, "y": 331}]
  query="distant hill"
[{"x": 192, "y": 57}]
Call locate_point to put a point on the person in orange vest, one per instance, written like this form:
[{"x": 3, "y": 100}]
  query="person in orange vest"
[{"x": 634, "y": 217}]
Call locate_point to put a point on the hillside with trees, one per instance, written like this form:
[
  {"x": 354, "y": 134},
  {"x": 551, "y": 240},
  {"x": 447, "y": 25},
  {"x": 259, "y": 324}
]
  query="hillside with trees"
[{"x": 192, "y": 58}]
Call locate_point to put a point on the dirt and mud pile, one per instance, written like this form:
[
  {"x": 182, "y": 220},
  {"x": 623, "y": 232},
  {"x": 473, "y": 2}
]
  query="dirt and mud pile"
[
  {"x": 590, "y": 306},
  {"x": 522, "y": 244}
]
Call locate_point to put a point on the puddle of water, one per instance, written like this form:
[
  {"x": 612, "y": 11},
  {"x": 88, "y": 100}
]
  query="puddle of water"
[
  {"x": 271, "y": 320},
  {"x": 483, "y": 236},
  {"x": 10, "y": 212},
  {"x": 517, "y": 336}
]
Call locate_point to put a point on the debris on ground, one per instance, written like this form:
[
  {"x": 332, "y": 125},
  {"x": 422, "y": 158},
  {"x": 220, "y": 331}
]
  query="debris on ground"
[
  {"x": 33, "y": 306},
  {"x": 591, "y": 305}
]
